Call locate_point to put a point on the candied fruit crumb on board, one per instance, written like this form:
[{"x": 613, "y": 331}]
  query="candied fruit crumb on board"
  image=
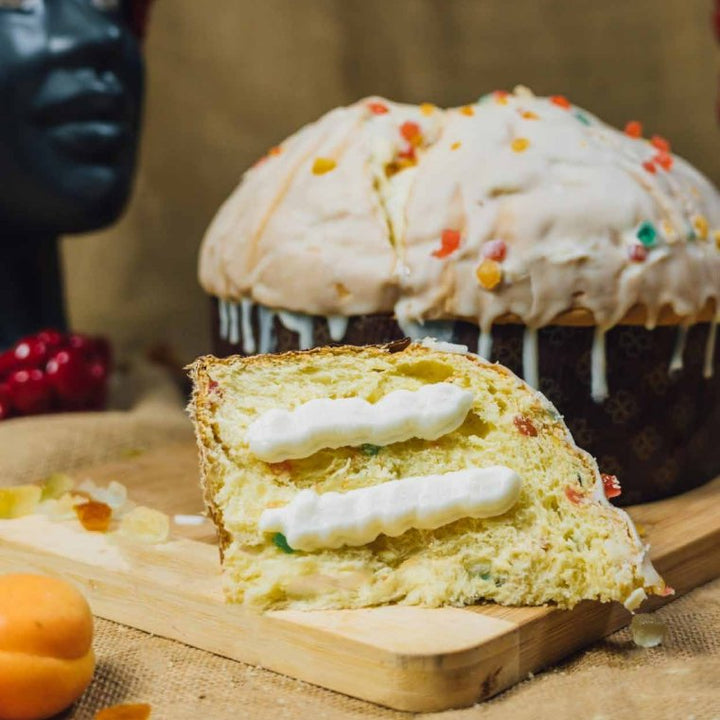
[
  {"x": 19, "y": 500},
  {"x": 134, "y": 711},
  {"x": 94, "y": 516},
  {"x": 525, "y": 426}
]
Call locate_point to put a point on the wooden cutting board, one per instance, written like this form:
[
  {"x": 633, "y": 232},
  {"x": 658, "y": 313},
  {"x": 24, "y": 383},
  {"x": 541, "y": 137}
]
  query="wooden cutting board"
[{"x": 403, "y": 657}]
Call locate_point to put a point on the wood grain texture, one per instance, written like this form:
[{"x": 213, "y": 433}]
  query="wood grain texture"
[{"x": 406, "y": 658}]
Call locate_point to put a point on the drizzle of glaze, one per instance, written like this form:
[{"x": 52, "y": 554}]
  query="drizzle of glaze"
[
  {"x": 233, "y": 324},
  {"x": 676, "y": 361},
  {"x": 223, "y": 314},
  {"x": 266, "y": 319},
  {"x": 485, "y": 343},
  {"x": 300, "y": 324},
  {"x": 247, "y": 328},
  {"x": 531, "y": 373},
  {"x": 598, "y": 369},
  {"x": 337, "y": 326}
]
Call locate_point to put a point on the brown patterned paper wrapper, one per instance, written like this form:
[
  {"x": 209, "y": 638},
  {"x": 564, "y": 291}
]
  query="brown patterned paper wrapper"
[{"x": 657, "y": 431}]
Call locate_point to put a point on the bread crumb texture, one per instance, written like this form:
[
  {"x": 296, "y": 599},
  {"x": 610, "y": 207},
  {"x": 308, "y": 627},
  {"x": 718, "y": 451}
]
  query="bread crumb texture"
[{"x": 562, "y": 542}]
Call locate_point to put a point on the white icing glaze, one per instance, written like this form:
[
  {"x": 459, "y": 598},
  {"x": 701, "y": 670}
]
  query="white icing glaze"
[
  {"x": 485, "y": 343},
  {"x": 248, "y": 335},
  {"x": 428, "y": 413},
  {"x": 337, "y": 326},
  {"x": 331, "y": 520},
  {"x": 266, "y": 320},
  {"x": 598, "y": 370},
  {"x": 301, "y": 324},
  {"x": 676, "y": 361},
  {"x": 441, "y": 346},
  {"x": 708, "y": 365},
  {"x": 440, "y": 329},
  {"x": 223, "y": 314},
  {"x": 531, "y": 373},
  {"x": 233, "y": 324}
]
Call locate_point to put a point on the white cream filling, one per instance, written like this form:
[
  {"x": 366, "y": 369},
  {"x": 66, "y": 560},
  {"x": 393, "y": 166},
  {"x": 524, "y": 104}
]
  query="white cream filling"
[
  {"x": 311, "y": 521},
  {"x": 428, "y": 413},
  {"x": 441, "y": 346}
]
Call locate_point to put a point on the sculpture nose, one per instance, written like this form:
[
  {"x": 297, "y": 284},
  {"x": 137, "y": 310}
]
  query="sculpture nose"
[{"x": 75, "y": 28}]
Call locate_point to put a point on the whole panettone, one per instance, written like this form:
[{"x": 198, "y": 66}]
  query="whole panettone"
[{"x": 585, "y": 258}]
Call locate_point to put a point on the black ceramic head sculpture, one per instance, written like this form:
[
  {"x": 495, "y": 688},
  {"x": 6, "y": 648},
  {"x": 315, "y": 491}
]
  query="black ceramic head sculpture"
[{"x": 71, "y": 86}]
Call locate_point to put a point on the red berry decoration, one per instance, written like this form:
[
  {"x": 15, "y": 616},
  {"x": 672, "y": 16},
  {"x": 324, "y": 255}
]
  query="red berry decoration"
[
  {"x": 29, "y": 391},
  {"x": 52, "y": 370}
]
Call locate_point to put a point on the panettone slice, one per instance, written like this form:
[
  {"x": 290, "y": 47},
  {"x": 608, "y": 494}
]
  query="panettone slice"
[{"x": 423, "y": 476}]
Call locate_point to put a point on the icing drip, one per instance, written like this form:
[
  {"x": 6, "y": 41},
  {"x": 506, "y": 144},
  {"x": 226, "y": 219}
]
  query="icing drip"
[
  {"x": 485, "y": 343},
  {"x": 337, "y": 326},
  {"x": 676, "y": 362},
  {"x": 710, "y": 350},
  {"x": 247, "y": 328},
  {"x": 530, "y": 357},
  {"x": 598, "y": 371},
  {"x": 442, "y": 330},
  {"x": 223, "y": 312},
  {"x": 233, "y": 324},
  {"x": 300, "y": 324},
  {"x": 268, "y": 341}
]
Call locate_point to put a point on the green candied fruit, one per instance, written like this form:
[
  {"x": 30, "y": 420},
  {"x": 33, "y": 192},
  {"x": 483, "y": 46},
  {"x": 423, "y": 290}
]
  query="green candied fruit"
[
  {"x": 370, "y": 450},
  {"x": 647, "y": 234},
  {"x": 280, "y": 541},
  {"x": 584, "y": 119}
]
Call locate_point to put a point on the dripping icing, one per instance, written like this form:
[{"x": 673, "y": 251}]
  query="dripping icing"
[
  {"x": 266, "y": 319},
  {"x": 300, "y": 324},
  {"x": 233, "y": 324},
  {"x": 598, "y": 369},
  {"x": 248, "y": 335},
  {"x": 530, "y": 357},
  {"x": 443, "y": 330},
  {"x": 485, "y": 342},
  {"x": 337, "y": 326},
  {"x": 676, "y": 362},
  {"x": 223, "y": 312}
]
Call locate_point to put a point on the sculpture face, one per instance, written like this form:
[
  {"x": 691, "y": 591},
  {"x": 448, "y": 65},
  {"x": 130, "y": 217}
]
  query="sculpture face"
[{"x": 71, "y": 84}]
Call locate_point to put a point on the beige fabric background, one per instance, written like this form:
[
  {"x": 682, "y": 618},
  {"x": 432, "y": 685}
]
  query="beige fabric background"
[{"x": 229, "y": 78}]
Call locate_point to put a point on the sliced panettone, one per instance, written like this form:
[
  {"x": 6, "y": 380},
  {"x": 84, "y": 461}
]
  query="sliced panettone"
[{"x": 411, "y": 473}]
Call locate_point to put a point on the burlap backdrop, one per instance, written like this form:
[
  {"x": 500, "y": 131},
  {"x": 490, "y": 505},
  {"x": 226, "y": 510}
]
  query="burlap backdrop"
[
  {"x": 229, "y": 78},
  {"x": 613, "y": 680}
]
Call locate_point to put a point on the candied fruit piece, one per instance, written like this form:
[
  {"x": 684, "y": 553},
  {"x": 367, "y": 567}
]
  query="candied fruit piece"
[
  {"x": 455, "y": 146},
  {"x": 145, "y": 525},
  {"x": 611, "y": 485},
  {"x": 573, "y": 495},
  {"x": 94, "y": 516},
  {"x": 664, "y": 160},
  {"x": 18, "y": 500},
  {"x": 634, "y": 129},
  {"x": 700, "y": 224},
  {"x": 449, "y": 243},
  {"x": 638, "y": 253},
  {"x": 649, "y": 165},
  {"x": 529, "y": 115},
  {"x": 427, "y": 108},
  {"x": 495, "y": 250},
  {"x": 323, "y": 165},
  {"x": 467, "y": 110},
  {"x": 411, "y": 132},
  {"x": 55, "y": 486},
  {"x": 134, "y": 711},
  {"x": 378, "y": 108},
  {"x": 520, "y": 144},
  {"x": 660, "y": 143},
  {"x": 647, "y": 234},
  {"x": 489, "y": 274},
  {"x": 647, "y": 630},
  {"x": 561, "y": 101},
  {"x": 525, "y": 426}
]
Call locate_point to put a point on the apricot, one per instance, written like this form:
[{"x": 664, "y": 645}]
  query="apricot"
[{"x": 46, "y": 655}]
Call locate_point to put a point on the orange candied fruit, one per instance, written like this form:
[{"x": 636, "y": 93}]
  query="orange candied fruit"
[
  {"x": 467, "y": 110},
  {"x": 649, "y": 165},
  {"x": 378, "y": 108},
  {"x": 275, "y": 150},
  {"x": 489, "y": 274},
  {"x": 525, "y": 426},
  {"x": 449, "y": 243},
  {"x": 455, "y": 146},
  {"x": 700, "y": 224},
  {"x": 634, "y": 129},
  {"x": 660, "y": 143},
  {"x": 411, "y": 132},
  {"x": 573, "y": 495},
  {"x": 501, "y": 97},
  {"x": 664, "y": 160},
  {"x": 134, "y": 711},
  {"x": 427, "y": 108},
  {"x": 611, "y": 485},
  {"x": 94, "y": 516},
  {"x": 323, "y": 165},
  {"x": 529, "y": 115},
  {"x": 561, "y": 101},
  {"x": 520, "y": 144}
]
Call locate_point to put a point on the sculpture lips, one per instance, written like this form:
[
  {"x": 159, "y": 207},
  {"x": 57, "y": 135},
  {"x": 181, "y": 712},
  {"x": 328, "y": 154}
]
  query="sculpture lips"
[
  {"x": 90, "y": 106},
  {"x": 90, "y": 140}
]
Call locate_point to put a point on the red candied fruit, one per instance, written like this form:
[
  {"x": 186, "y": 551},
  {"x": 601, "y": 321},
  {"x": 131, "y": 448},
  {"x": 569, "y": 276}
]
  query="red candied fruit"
[
  {"x": 525, "y": 426},
  {"x": 378, "y": 108},
  {"x": 611, "y": 485},
  {"x": 411, "y": 132},
  {"x": 495, "y": 250},
  {"x": 29, "y": 391},
  {"x": 664, "y": 160},
  {"x": 560, "y": 101},
  {"x": 94, "y": 516},
  {"x": 638, "y": 253},
  {"x": 573, "y": 495},
  {"x": 449, "y": 243},
  {"x": 660, "y": 143},
  {"x": 634, "y": 129},
  {"x": 649, "y": 165}
]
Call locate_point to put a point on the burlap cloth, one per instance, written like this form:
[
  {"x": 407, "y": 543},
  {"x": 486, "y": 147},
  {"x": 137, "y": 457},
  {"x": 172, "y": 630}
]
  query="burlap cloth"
[{"x": 613, "y": 679}]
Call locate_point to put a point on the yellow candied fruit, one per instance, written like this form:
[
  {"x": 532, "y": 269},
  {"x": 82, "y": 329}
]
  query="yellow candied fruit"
[
  {"x": 520, "y": 144},
  {"x": 427, "y": 108},
  {"x": 501, "y": 99},
  {"x": 467, "y": 110},
  {"x": 145, "y": 525},
  {"x": 529, "y": 115},
  {"x": 55, "y": 486},
  {"x": 323, "y": 165},
  {"x": 276, "y": 150},
  {"x": 455, "y": 146},
  {"x": 700, "y": 224},
  {"x": 489, "y": 274},
  {"x": 18, "y": 500},
  {"x": 716, "y": 235}
]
